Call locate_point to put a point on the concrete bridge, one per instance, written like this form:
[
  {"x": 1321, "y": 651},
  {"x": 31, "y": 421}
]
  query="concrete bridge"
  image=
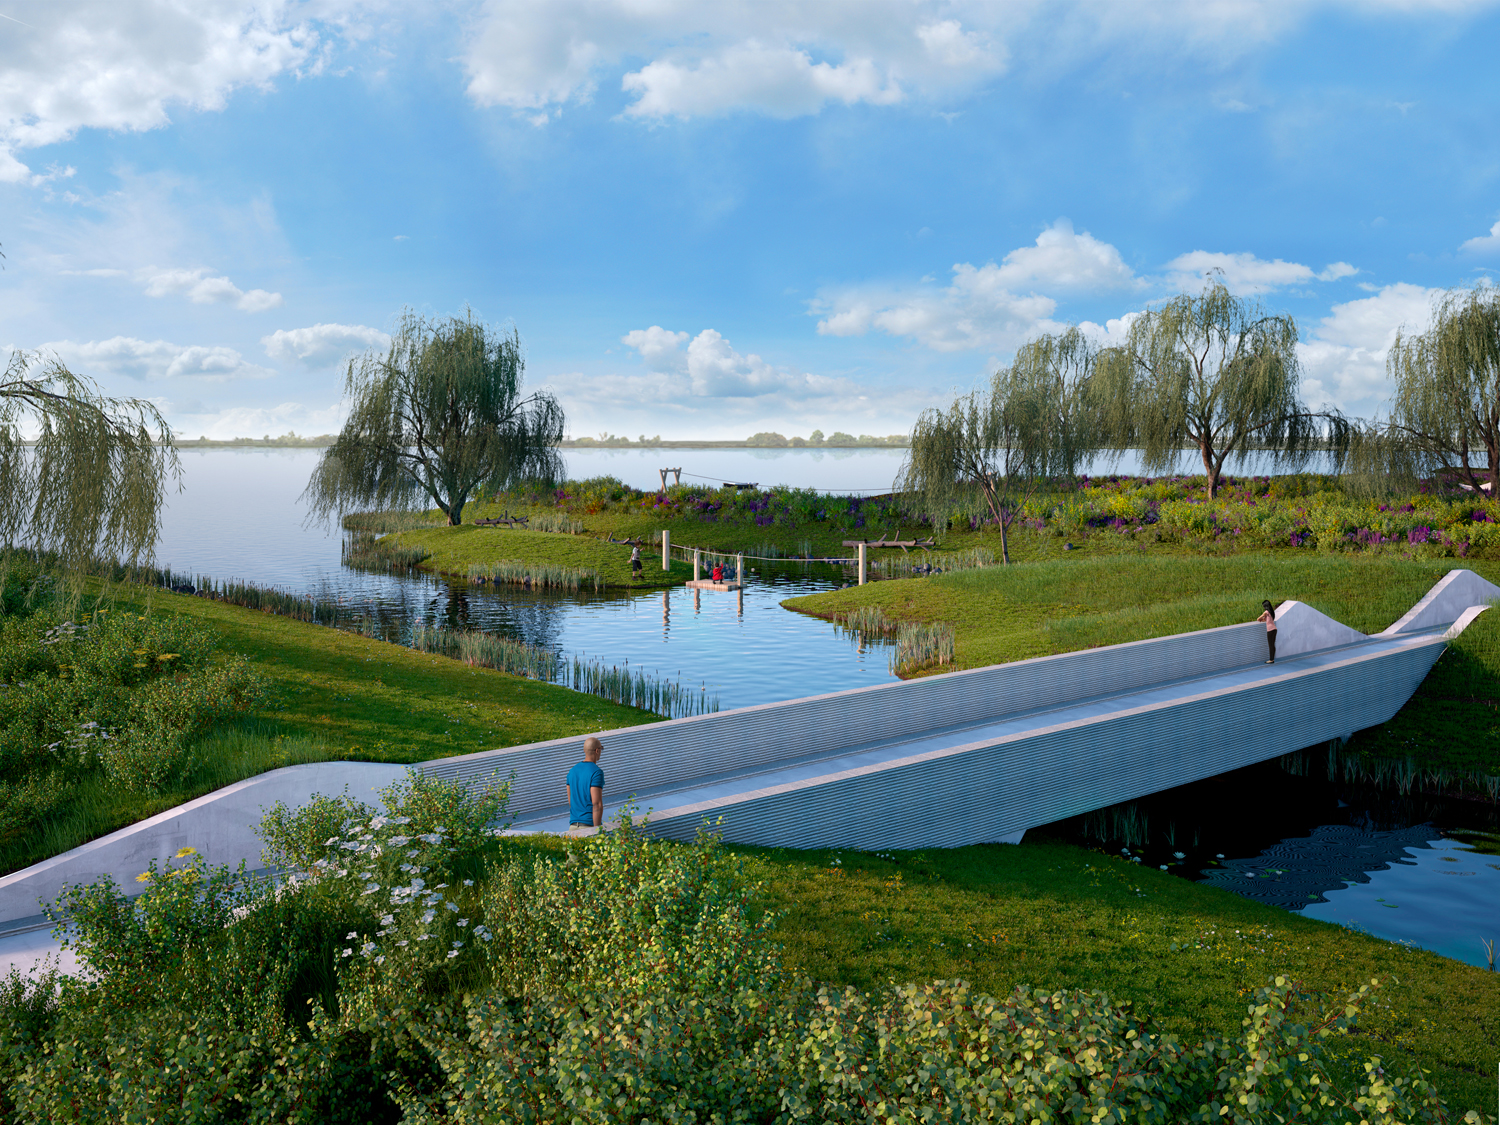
[{"x": 962, "y": 758}]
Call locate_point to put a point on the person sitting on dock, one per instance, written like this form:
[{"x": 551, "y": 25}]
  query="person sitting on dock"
[
  {"x": 586, "y": 791},
  {"x": 718, "y": 574}
]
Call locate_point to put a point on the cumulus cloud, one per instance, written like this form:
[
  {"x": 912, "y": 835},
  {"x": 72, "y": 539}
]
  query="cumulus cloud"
[
  {"x": 989, "y": 306},
  {"x": 155, "y": 359},
  {"x": 1484, "y": 243},
  {"x": 203, "y": 287},
  {"x": 780, "y": 59},
  {"x": 104, "y": 64},
  {"x": 1245, "y": 273},
  {"x": 322, "y": 344},
  {"x": 710, "y": 367},
  {"x": 1344, "y": 358}
]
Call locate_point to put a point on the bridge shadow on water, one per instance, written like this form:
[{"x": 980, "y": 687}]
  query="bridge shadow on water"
[{"x": 1412, "y": 867}]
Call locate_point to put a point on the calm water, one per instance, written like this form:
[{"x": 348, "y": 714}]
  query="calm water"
[{"x": 1364, "y": 859}]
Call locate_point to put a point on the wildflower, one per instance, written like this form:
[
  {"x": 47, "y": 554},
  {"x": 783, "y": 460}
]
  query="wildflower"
[
  {"x": 453, "y": 906},
  {"x": 428, "y": 917},
  {"x": 348, "y": 953},
  {"x": 1179, "y": 855},
  {"x": 398, "y": 841},
  {"x": 371, "y": 888},
  {"x": 468, "y": 882},
  {"x": 1164, "y": 867},
  {"x": 351, "y": 935},
  {"x": 387, "y": 919},
  {"x": 403, "y": 944},
  {"x": 452, "y": 953},
  {"x": 463, "y": 922},
  {"x": 143, "y": 877},
  {"x": 368, "y": 948},
  {"x": 328, "y": 843}
]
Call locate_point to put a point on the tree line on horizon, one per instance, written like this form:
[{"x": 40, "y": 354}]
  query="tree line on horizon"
[{"x": 441, "y": 416}]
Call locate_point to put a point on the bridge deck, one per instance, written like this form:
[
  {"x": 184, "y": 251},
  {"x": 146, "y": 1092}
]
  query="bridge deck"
[{"x": 736, "y": 793}]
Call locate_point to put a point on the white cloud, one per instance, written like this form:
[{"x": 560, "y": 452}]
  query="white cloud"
[
  {"x": 110, "y": 65},
  {"x": 1245, "y": 273},
  {"x": 659, "y": 348},
  {"x": 1484, "y": 243},
  {"x": 989, "y": 306},
  {"x": 155, "y": 359},
  {"x": 710, "y": 367},
  {"x": 777, "y": 81},
  {"x": 202, "y": 287},
  {"x": 1344, "y": 359},
  {"x": 322, "y": 344},
  {"x": 779, "y": 58}
]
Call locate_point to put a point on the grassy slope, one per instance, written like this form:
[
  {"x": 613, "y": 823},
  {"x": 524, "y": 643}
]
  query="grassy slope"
[
  {"x": 1070, "y": 603},
  {"x": 1056, "y": 916},
  {"x": 455, "y": 549},
  {"x": 335, "y": 697}
]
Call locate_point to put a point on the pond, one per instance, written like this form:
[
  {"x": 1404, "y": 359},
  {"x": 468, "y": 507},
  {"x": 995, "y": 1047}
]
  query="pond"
[{"x": 1359, "y": 857}]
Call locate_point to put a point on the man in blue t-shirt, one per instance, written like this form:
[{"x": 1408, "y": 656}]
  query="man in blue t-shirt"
[{"x": 586, "y": 791}]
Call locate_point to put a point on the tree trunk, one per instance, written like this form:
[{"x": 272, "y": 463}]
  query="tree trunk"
[
  {"x": 1004, "y": 542},
  {"x": 1210, "y": 468}
]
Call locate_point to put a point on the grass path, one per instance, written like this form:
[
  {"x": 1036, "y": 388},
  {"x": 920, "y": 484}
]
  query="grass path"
[{"x": 1054, "y": 916}]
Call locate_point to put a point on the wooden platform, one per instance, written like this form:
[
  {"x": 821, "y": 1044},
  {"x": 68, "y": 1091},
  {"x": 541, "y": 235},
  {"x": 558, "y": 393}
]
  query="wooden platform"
[{"x": 710, "y": 584}]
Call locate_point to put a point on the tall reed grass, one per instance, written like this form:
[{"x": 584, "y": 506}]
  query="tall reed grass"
[
  {"x": 384, "y": 523},
  {"x": 559, "y": 522},
  {"x": 919, "y": 644},
  {"x": 1401, "y": 774},
  {"x": 538, "y": 576},
  {"x": 629, "y": 686},
  {"x": 364, "y": 550},
  {"x": 910, "y": 565},
  {"x": 267, "y": 599}
]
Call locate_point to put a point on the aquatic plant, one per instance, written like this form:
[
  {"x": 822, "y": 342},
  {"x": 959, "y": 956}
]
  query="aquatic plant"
[
  {"x": 392, "y": 520},
  {"x": 486, "y": 650},
  {"x": 919, "y": 644},
  {"x": 537, "y": 576},
  {"x": 364, "y": 550}
]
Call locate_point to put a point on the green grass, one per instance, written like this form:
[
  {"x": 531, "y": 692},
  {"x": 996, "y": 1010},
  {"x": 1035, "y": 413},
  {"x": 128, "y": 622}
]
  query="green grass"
[
  {"x": 335, "y": 696},
  {"x": 453, "y": 550},
  {"x": 1054, "y": 916}
]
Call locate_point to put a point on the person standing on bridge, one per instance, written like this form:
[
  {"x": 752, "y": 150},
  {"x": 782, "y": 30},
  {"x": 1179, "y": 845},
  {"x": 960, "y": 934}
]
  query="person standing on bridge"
[
  {"x": 586, "y": 791},
  {"x": 1269, "y": 617}
]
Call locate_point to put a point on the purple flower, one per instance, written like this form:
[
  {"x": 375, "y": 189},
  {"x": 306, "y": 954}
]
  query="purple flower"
[{"x": 1419, "y": 534}]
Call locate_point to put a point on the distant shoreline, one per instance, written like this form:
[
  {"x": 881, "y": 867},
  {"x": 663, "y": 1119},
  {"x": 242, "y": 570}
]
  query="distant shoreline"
[{"x": 325, "y": 440}]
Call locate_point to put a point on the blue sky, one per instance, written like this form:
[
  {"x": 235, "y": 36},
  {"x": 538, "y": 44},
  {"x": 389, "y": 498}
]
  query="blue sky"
[{"x": 710, "y": 219}]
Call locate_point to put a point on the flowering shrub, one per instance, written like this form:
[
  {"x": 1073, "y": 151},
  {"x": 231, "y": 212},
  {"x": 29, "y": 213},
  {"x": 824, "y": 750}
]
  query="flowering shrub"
[{"x": 419, "y": 968}]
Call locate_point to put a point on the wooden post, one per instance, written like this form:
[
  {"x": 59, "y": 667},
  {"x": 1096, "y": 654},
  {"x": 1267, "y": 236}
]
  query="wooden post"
[
  {"x": 696, "y": 555},
  {"x": 739, "y": 570},
  {"x": 664, "y": 473},
  {"x": 863, "y": 572},
  {"x": 666, "y": 550}
]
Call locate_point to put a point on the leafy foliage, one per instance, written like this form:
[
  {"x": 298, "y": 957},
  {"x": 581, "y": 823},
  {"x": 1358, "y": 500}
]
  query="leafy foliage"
[
  {"x": 440, "y": 415},
  {"x": 93, "y": 484}
]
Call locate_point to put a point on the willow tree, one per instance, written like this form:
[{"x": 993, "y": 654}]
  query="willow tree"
[
  {"x": 1214, "y": 373},
  {"x": 995, "y": 442},
  {"x": 1447, "y": 404},
  {"x": 1058, "y": 371},
  {"x": 438, "y": 416},
  {"x": 81, "y": 474}
]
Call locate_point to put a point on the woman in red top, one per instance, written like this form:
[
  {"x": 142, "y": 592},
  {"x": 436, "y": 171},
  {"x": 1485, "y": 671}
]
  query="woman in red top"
[{"x": 1269, "y": 617}]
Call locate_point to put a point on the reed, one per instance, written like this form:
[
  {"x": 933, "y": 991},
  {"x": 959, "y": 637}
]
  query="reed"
[
  {"x": 485, "y": 650},
  {"x": 386, "y": 522},
  {"x": 558, "y": 522},
  {"x": 1401, "y": 774},
  {"x": 268, "y": 599},
  {"x": 364, "y": 550},
  {"x": 919, "y": 644},
  {"x": 537, "y": 576},
  {"x": 908, "y": 566},
  {"x": 634, "y": 688},
  {"x": 629, "y": 686}
]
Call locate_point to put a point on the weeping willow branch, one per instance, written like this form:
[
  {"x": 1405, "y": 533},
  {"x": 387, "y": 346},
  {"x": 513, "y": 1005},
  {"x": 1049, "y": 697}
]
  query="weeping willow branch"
[
  {"x": 81, "y": 474},
  {"x": 1217, "y": 374},
  {"x": 435, "y": 419}
]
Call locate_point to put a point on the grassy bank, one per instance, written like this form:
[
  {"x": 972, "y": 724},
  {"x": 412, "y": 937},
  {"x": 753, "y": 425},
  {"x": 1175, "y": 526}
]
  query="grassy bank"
[
  {"x": 333, "y": 696},
  {"x": 1056, "y": 916},
  {"x": 454, "y": 550}
]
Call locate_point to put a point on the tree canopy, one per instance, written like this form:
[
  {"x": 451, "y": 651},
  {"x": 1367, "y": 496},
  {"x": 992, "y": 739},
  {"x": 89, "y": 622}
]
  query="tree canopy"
[
  {"x": 1446, "y": 412},
  {"x": 439, "y": 416},
  {"x": 1033, "y": 421},
  {"x": 1216, "y": 373},
  {"x": 81, "y": 474}
]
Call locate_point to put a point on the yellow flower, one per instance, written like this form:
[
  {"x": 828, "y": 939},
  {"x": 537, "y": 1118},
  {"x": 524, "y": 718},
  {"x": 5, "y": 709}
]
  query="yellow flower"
[
  {"x": 186, "y": 851},
  {"x": 169, "y": 656},
  {"x": 139, "y": 651},
  {"x": 143, "y": 877}
]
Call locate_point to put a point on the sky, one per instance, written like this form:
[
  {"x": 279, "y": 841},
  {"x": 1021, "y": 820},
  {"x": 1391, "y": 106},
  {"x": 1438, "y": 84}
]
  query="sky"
[{"x": 710, "y": 219}]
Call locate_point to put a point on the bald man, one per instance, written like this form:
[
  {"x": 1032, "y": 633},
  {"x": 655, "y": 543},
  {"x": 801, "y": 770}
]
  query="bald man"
[{"x": 586, "y": 791}]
